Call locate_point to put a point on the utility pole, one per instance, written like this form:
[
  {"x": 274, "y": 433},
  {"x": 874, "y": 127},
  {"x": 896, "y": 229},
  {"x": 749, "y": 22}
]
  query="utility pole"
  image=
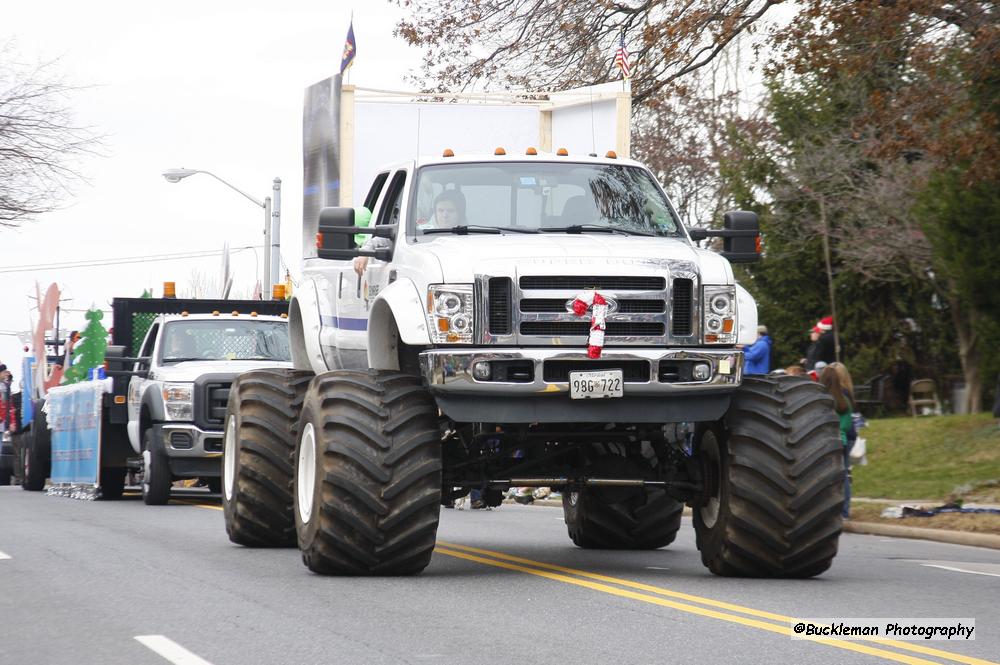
[{"x": 829, "y": 277}]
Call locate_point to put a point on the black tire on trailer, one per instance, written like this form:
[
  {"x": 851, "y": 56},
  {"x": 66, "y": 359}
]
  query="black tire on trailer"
[
  {"x": 5, "y": 476},
  {"x": 156, "y": 477},
  {"x": 368, "y": 474},
  {"x": 113, "y": 482},
  {"x": 261, "y": 429},
  {"x": 643, "y": 519},
  {"x": 774, "y": 474},
  {"x": 38, "y": 456}
]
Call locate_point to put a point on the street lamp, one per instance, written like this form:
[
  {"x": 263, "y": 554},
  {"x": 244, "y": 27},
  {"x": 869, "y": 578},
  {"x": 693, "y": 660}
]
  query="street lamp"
[{"x": 272, "y": 221}]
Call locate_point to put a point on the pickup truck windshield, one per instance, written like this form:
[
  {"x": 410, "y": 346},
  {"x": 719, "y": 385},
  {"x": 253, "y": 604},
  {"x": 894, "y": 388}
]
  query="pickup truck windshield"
[
  {"x": 539, "y": 197},
  {"x": 224, "y": 339}
]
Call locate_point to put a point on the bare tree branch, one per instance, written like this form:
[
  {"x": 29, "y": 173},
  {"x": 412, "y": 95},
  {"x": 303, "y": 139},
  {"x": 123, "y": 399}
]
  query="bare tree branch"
[
  {"x": 41, "y": 148},
  {"x": 539, "y": 44}
]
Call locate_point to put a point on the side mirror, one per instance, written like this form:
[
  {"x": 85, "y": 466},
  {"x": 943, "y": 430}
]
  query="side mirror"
[
  {"x": 330, "y": 220},
  {"x": 336, "y": 227},
  {"x": 741, "y": 236},
  {"x": 741, "y": 244}
]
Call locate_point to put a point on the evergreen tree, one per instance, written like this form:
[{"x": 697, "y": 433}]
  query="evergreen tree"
[{"x": 88, "y": 352}]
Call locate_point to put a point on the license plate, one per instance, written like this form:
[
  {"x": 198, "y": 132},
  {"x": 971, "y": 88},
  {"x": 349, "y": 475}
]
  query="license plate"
[{"x": 595, "y": 385}]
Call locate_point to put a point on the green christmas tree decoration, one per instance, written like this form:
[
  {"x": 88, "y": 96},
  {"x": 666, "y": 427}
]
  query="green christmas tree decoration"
[{"x": 89, "y": 351}]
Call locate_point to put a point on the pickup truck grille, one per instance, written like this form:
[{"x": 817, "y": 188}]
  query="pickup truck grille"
[
  {"x": 581, "y": 282},
  {"x": 499, "y": 308},
  {"x": 624, "y": 306},
  {"x": 211, "y": 398},
  {"x": 682, "y": 317},
  {"x": 218, "y": 397},
  {"x": 649, "y": 310},
  {"x": 582, "y": 328}
]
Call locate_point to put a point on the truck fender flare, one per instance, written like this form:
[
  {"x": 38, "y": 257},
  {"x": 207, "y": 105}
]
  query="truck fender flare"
[
  {"x": 397, "y": 315},
  {"x": 154, "y": 406},
  {"x": 747, "y": 308},
  {"x": 304, "y": 328}
]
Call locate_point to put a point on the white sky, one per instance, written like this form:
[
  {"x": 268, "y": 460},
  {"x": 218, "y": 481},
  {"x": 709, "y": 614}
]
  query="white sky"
[{"x": 216, "y": 86}]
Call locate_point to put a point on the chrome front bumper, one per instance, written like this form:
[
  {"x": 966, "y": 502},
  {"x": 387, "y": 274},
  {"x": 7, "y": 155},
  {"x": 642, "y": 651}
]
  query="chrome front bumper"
[
  {"x": 203, "y": 443},
  {"x": 450, "y": 370}
]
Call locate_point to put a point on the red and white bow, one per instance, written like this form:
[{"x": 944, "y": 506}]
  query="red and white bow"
[{"x": 598, "y": 306}]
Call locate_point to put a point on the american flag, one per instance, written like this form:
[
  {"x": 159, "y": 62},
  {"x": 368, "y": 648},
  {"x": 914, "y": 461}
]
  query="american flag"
[{"x": 621, "y": 57}]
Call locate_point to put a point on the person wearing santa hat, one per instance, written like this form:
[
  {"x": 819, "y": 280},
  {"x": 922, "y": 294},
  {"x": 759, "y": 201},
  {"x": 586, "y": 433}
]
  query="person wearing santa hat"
[{"x": 822, "y": 344}]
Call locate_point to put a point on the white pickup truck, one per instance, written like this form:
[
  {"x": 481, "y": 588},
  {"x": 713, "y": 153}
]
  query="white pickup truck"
[
  {"x": 530, "y": 319},
  {"x": 178, "y": 392}
]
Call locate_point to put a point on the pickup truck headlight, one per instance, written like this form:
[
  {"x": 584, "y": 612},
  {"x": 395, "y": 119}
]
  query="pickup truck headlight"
[
  {"x": 719, "y": 307},
  {"x": 450, "y": 313},
  {"x": 178, "y": 401}
]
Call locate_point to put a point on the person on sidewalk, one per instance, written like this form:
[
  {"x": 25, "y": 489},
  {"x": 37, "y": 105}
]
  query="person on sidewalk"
[
  {"x": 821, "y": 347},
  {"x": 837, "y": 381},
  {"x": 757, "y": 356}
]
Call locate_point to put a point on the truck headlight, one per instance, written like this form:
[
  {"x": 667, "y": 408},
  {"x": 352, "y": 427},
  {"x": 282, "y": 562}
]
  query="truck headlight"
[
  {"x": 719, "y": 307},
  {"x": 450, "y": 313},
  {"x": 178, "y": 401}
]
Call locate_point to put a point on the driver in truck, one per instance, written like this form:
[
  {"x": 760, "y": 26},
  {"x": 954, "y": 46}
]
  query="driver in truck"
[
  {"x": 449, "y": 211},
  {"x": 179, "y": 345}
]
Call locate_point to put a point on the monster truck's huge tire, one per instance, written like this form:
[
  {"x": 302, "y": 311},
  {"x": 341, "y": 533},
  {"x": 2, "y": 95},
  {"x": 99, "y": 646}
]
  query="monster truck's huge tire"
[
  {"x": 156, "y": 476},
  {"x": 38, "y": 456},
  {"x": 621, "y": 518},
  {"x": 262, "y": 420},
  {"x": 774, "y": 474},
  {"x": 368, "y": 474}
]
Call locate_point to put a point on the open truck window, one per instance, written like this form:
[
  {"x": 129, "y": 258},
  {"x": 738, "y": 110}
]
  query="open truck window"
[{"x": 540, "y": 197}]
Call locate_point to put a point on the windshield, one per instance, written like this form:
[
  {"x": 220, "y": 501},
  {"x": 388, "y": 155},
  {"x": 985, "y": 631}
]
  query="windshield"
[
  {"x": 534, "y": 197},
  {"x": 225, "y": 340}
]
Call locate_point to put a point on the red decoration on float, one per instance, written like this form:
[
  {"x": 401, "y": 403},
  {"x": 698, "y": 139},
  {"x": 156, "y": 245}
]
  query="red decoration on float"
[{"x": 598, "y": 307}]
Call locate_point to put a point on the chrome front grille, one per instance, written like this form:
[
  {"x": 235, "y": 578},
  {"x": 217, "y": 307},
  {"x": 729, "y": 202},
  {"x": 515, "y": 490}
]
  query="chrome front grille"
[
  {"x": 650, "y": 310},
  {"x": 602, "y": 282}
]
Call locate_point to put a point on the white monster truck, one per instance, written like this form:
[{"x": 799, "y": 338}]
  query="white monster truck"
[{"x": 530, "y": 320}]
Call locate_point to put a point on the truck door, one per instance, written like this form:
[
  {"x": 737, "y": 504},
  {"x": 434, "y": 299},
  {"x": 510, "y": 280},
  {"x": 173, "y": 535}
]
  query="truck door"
[
  {"x": 136, "y": 387},
  {"x": 380, "y": 273},
  {"x": 351, "y": 321}
]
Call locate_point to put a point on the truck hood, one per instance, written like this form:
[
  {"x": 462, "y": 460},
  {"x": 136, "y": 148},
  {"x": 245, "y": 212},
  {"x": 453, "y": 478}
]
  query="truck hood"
[
  {"x": 192, "y": 369},
  {"x": 462, "y": 257}
]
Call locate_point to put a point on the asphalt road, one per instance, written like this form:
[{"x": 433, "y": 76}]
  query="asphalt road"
[{"x": 120, "y": 582}]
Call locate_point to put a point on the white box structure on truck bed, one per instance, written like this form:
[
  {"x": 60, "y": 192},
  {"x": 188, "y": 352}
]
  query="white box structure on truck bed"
[
  {"x": 519, "y": 317},
  {"x": 349, "y": 132}
]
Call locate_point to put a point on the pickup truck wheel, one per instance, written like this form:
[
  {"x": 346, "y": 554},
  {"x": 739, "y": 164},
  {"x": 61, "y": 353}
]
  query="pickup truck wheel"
[
  {"x": 113, "y": 482},
  {"x": 647, "y": 520},
  {"x": 38, "y": 456},
  {"x": 262, "y": 420},
  {"x": 156, "y": 477},
  {"x": 368, "y": 474},
  {"x": 774, "y": 475}
]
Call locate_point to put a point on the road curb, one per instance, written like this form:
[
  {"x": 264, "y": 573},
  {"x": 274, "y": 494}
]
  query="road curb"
[{"x": 939, "y": 535}]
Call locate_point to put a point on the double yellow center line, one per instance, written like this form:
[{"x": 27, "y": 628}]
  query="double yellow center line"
[
  {"x": 685, "y": 602},
  {"x": 706, "y": 607}
]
